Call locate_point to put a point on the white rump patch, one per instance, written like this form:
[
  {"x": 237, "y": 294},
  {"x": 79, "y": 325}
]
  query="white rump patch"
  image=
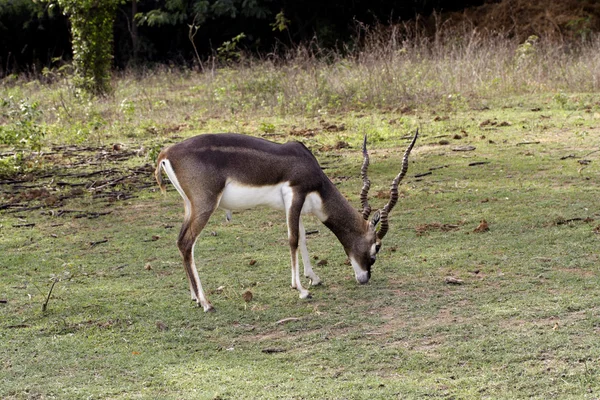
[{"x": 166, "y": 165}]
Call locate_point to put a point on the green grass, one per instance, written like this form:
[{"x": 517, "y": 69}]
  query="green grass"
[
  {"x": 119, "y": 323},
  {"x": 524, "y": 323}
]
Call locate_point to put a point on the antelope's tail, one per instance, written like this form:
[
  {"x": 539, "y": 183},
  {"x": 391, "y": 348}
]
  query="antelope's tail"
[{"x": 158, "y": 172}]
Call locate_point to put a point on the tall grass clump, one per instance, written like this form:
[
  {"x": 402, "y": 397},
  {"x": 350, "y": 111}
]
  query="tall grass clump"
[
  {"x": 393, "y": 67},
  {"x": 384, "y": 67}
]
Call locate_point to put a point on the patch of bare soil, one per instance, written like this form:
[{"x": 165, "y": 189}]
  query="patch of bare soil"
[
  {"x": 73, "y": 172},
  {"x": 436, "y": 226}
]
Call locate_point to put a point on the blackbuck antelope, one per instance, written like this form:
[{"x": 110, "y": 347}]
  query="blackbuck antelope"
[{"x": 236, "y": 172}]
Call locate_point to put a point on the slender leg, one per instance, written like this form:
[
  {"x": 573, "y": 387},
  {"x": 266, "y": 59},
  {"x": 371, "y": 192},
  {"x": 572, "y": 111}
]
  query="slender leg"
[
  {"x": 186, "y": 242},
  {"x": 199, "y": 206},
  {"x": 293, "y": 205},
  {"x": 308, "y": 271}
]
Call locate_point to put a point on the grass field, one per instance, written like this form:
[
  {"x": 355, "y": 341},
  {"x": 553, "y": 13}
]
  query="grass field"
[{"x": 522, "y": 319}]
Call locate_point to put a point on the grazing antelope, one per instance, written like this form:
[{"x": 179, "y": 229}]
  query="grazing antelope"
[{"x": 236, "y": 172}]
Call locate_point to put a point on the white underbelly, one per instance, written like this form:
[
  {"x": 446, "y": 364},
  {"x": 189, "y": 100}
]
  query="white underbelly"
[
  {"x": 237, "y": 196},
  {"x": 241, "y": 197}
]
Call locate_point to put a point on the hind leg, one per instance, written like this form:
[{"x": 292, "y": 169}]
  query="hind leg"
[
  {"x": 186, "y": 242},
  {"x": 199, "y": 203}
]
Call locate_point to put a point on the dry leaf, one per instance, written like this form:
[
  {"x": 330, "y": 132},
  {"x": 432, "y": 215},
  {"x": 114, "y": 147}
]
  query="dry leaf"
[
  {"x": 161, "y": 326},
  {"x": 247, "y": 296},
  {"x": 148, "y": 267},
  {"x": 252, "y": 262},
  {"x": 483, "y": 227}
]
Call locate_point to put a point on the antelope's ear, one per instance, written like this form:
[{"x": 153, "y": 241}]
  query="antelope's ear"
[{"x": 375, "y": 219}]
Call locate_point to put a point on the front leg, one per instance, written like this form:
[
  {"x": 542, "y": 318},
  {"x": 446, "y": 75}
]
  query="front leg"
[
  {"x": 293, "y": 204},
  {"x": 308, "y": 271}
]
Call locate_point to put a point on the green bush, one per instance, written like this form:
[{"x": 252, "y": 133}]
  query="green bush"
[{"x": 22, "y": 129}]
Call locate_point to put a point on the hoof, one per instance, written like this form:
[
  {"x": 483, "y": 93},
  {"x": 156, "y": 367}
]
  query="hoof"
[
  {"x": 209, "y": 309},
  {"x": 305, "y": 295},
  {"x": 315, "y": 282}
]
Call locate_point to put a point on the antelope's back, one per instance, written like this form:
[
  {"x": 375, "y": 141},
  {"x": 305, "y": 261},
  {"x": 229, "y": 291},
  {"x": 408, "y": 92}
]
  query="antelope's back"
[{"x": 245, "y": 159}]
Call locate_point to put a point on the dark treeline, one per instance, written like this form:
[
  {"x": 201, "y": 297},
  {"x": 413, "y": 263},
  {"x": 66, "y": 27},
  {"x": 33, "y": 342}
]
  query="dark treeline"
[{"x": 34, "y": 35}]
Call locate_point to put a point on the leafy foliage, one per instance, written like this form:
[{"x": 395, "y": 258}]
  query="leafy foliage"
[
  {"x": 177, "y": 11},
  {"x": 21, "y": 129},
  {"x": 92, "y": 38}
]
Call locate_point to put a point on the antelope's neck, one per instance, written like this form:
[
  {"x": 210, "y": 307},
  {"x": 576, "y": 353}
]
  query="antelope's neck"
[{"x": 342, "y": 219}]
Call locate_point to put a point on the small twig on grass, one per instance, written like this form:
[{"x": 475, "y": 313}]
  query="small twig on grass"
[
  {"x": 423, "y": 174},
  {"x": 29, "y": 225},
  {"x": 525, "y": 143},
  {"x": 451, "y": 280},
  {"x": 45, "y": 305},
  {"x": 111, "y": 183},
  {"x": 440, "y": 167},
  {"x": 92, "y": 244},
  {"x": 286, "y": 320},
  {"x": 595, "y": 151},
  {"x": 22, "y": 209},
  {"x": 273, "y": 350}
]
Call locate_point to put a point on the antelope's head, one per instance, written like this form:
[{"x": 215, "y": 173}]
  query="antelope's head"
[{"x": 364, "y": 253}]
